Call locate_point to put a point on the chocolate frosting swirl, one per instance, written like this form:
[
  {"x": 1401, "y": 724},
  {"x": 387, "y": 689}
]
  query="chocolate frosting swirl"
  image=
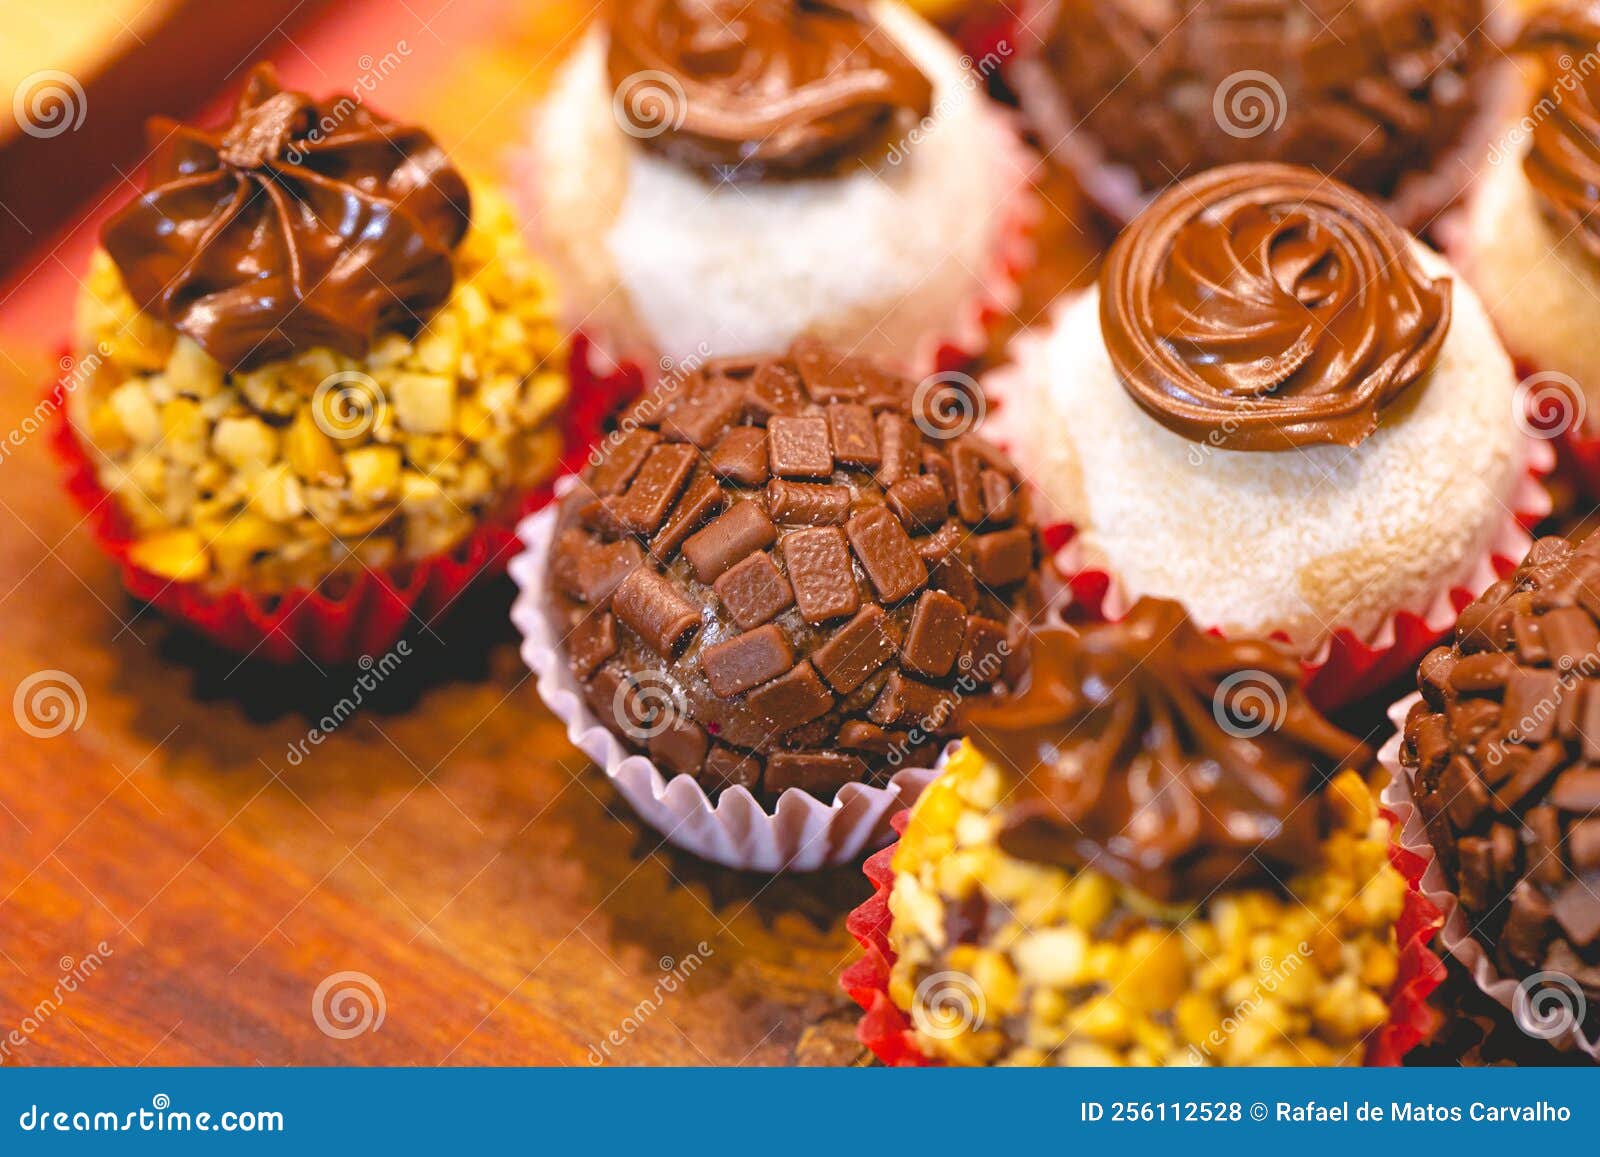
[
  {"x": 302, "y": 223},
  {"x": 1173, "y": 760},
  {"x": 1563, "y": 158},
  {"x": 752, "y": 89},
  {"x": 1264, "y": 307}
]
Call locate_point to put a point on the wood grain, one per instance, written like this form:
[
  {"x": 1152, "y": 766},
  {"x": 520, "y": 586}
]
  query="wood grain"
[{"x": 446, "y": 841}]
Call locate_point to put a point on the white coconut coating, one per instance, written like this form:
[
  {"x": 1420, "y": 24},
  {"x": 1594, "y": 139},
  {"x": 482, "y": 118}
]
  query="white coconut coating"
[
  {"x": 661, "y": 261},
  {"x": 1539, "y": 283},
  {"x": 1299, "y": 541}
]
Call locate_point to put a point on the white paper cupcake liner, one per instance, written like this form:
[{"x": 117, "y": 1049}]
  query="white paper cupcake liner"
[
  {"x": 802, "y": 833},
  {"x": 1027, "y": 363},
  {"x": 1456, "y": 934},
  {"x": 1114, "y": 188}
]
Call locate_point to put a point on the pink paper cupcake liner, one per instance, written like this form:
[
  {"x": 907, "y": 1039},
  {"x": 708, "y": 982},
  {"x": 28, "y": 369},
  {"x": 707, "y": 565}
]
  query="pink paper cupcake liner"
[
  {"x": 1433, "y": 889},
  {"x": 801, "y": 833},
  {"x": 946, "y": 345},
  {"x": 355, "y": 614},
  {"x": 886, "y": 1030},
  {"x": 1344, "y": 665}
]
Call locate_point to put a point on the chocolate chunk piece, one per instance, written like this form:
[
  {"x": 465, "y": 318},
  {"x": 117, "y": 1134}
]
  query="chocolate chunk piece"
[
  {"x": 592, "y": 640},
  {"x": 700, "y": 501},
  {"x": 808, "y": 503},
  {"x": 984, "y": 648},
  {"x": 701, "y": 418},
  {"x": 900, "y": 447},
  {"x": 592, "y": 571},
  {"x": 1000, "y": 498},
  {"x": 621, "y": 461},
  {"x": 741, "y": 456},
  {"x": 919, "y": 502},
  {"x": 938, "y": 626},
  {"x": 822, "y": 773},
  {"x": 1583, "y": 845},
  {"x": 774, "y": 390},
  {"x": 859, "y": 735},
  {"x": 799, "y": 447},
  {"x": 1002, "y": 558},
  {"x": 824, "y": 582},
  {"x": 856, "y": 650},
  {"x": 792, "y": 699},
  {"x": 742, "y": 530},
  {"x": 725, "y": 768},
  {"x": 679, "y": 748},
  {"x": 1577, "y": 910},
  {"x": 904, "y": 702},
  {"x": 886, "y": 554},
  {"x": 735, "y": 665},
  {"x": 754, "y": 591},
  {"x": 828, "y": 375},
  {"x": 854, "y": 434},
  {"x": 654, "y": 489},
  {"x": 1577, "y": 791},
  {"x": 652, "y": 606},
  {"x": 966, "y": 465}
]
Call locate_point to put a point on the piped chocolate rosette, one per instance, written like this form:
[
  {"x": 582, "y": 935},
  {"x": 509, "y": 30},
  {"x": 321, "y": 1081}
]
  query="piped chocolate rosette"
[
  {"x": 1267, "y": 358},
  {"x": 1395, "y": 98},
  {"x": 783, "y": 574},
  {"x": 1156, "y": 853},
  {"x": 322, "y": 366},
  {"x": 1500, "y": 762}
]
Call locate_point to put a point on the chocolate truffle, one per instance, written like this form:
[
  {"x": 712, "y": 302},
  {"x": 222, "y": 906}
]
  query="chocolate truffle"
[
  {"x": 787, "y": 571},
  {"x": 1370, "y": 93},
  {"x": 1157, "y": 822},
  {"x": 1503, "y": 756}
]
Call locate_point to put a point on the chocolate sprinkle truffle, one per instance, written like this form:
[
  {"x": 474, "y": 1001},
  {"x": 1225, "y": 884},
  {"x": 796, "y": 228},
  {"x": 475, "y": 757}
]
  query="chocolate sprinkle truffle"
[
  {"x": 1503, "y": 755},
  {"x": 785, "y": 572}
]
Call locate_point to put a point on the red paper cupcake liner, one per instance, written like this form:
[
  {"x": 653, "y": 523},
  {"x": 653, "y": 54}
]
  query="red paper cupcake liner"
[
  {"x": 353, "y": 614},
  {"x": 886, "y": 1030}
]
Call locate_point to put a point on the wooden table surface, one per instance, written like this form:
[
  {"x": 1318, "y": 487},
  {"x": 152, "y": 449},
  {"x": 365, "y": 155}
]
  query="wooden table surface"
[{"x": 175, "y": 888}]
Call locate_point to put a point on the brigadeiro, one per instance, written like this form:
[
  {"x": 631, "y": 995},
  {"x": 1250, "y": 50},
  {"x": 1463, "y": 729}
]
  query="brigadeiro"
[
  {"x": 809, "y": 167},
  {"x": 1395, "y": 97},
  {"x": 326, "y": 376},
  {"x": 1528, "y": 237},
  {"x": 1281, "y": 410},
  {"x": 1498, "y": 773},
  {"x": 1157, "y": 853},
  {"x": 779, "y": 578}
]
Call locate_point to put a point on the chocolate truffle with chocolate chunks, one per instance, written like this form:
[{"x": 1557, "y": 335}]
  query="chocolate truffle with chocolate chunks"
[
  {"x": 785, "y": 572},
  {"x": 1503, "y": 757}
]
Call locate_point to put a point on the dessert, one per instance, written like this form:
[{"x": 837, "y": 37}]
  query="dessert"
[
  {"x": 1157, "y": 853},
  {"x": 1498, "y": 759},
  {"x": 1395, "y": 97},
  {"x": 329, "y": 370},
  {"x": 713, "y": 178},
  {"x": 1281, "y": 410},
  {"x": 1527, "y": 238},
  {"x": 782, "y": 574}
]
